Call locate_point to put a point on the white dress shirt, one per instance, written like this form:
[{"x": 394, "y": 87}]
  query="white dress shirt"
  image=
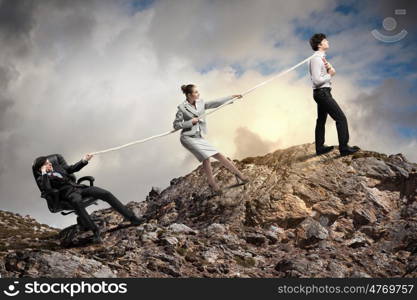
[
  {"x": 318, "y": 73},
  {"x": 53, "y": 173}
]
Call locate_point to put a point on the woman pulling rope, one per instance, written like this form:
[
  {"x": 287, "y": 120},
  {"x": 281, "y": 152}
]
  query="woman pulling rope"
[{"x": 190, "y": 119}]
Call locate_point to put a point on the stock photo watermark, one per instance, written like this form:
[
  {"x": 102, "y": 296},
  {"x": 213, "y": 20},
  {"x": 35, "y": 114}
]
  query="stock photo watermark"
[
  {"x": 70, "y": 289},
  {"x": 390, "y": 25}
]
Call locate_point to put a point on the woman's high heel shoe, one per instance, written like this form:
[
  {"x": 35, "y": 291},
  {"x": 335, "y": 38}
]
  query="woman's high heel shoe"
[
  {"x": 216, "y": 191},
  {"x": 243, "y": 180}
]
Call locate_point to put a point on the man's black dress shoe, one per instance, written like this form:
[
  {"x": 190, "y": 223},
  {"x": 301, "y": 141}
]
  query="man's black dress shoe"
[
  {"x": 96, "y": 238},
  {"x": 349, "y": 150},
  {"x": 137, "y": 221},
  {"x": 325, "y": 149}
]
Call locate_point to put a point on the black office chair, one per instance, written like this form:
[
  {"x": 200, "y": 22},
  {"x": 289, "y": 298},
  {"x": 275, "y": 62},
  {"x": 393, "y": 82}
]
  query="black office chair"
[{"x": 56, "y": 205}]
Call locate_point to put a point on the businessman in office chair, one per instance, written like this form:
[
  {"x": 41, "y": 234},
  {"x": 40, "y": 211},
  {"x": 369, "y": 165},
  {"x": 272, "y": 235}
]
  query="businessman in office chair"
[{"x": 57, "y": 175}]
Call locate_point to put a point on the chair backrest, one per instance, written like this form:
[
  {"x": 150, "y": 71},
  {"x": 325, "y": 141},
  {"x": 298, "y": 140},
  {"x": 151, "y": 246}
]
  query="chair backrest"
[{"x": 53, "y": 158}]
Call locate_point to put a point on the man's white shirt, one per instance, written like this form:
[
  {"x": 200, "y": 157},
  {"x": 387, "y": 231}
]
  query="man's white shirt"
[{"x": 318, "y": 73}]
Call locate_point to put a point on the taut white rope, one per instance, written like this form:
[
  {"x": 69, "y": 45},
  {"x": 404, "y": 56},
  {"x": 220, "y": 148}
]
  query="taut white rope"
[{"x": 207, "y": 113}]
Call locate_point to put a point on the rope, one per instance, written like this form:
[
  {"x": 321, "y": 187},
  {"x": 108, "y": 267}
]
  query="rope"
[{"x": 205, "y": 113}]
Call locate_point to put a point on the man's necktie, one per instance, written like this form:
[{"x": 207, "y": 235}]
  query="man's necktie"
[{"x": 325, "y": 61}]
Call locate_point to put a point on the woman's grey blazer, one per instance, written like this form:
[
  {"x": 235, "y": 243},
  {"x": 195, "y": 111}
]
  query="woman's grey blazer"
[{"x": 186, "y": 112}]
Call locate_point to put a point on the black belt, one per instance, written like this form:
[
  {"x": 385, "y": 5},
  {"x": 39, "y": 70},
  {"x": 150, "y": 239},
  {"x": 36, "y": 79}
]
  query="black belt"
[
  {"x": 323, "y": 88},
  {"x": 197, "y": 134}
]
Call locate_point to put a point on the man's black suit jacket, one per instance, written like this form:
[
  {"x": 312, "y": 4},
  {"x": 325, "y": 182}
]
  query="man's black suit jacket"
[{"x": 65, "y": 185}]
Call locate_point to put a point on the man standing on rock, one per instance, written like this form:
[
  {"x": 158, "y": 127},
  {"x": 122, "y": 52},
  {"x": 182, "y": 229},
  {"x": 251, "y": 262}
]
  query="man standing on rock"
[{"x": 321, "y": 73}]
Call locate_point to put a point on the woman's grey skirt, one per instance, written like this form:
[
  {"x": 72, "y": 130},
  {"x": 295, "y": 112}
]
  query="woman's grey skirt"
[{"x": 198, "y": 146}]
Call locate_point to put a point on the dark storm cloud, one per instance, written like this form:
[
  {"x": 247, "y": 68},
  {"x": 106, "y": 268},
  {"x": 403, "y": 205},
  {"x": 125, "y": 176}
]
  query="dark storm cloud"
[
  {"x": 385, "y": 9},
  {"x": 7, "y": 74},
  {"x": 16, "y": 22},
  {"x": 381, "y": 119},
  {"x": 16, "y": 18},
  {"x": 391, "y": 105},
  {"x": 19, "y": 135}
]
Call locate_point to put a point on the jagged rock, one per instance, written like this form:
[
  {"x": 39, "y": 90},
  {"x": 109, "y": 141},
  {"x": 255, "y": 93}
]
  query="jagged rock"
[
  {"x": 244, "y": 259},
  {"x": 181, "y": 228},
  {"x": 310, "y": 231},
  {"x": 275, "y": 230},
  {"x": 375, "y": 232},
  {"x": 360, "y": 274},
  {"x": 55, "y": 264},
  {"x": 301, "y": 215},
  {"x": 338, "y": 270},
  {"x": 411, "y": 270},
  {"x": 359, "y": 240},
  {"x": 155, "y": 191},
  {"x": 274, "y": 234},
  {"x": 290, "y": 211},
  {"x": 379, "y": 198},
  {"x": 170, "y": 240},
  {"x": 363, "y": 216},
  {"x": 408, "y": 194},
  {"x": 328, "y": 210},
  {"x": 150, "y": 236},
  {"x": 409, "y": 211},
  {"x": 255, "y": 239},
  {"x": 215, "y": 229},
  {"x": 374, "y": 167},
  {"x": 211, "y": 255},
  {"x": 298, "y": 267}
]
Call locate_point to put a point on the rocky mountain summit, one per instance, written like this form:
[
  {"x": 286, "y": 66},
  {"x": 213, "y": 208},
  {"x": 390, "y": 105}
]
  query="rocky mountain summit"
[{"x": 300, "y": 216}]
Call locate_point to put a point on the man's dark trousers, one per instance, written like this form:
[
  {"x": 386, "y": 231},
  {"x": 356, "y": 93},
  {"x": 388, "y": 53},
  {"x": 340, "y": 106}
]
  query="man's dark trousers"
[
  {"x": 327, "y": 105},
  {"x": 75, "y": 199}
]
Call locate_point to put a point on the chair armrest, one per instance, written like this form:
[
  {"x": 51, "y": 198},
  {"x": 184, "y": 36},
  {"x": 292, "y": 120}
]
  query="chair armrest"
[{"x": 88, "y": 178}]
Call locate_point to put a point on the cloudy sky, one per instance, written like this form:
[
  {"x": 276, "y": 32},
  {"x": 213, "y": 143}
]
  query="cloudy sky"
[{"x": 81, "y": 76}]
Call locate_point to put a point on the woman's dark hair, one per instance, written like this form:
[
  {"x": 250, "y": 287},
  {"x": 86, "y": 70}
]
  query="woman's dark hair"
[
  {"x": 316, "y": 39},
  {"x": 187, "y": 88}
]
